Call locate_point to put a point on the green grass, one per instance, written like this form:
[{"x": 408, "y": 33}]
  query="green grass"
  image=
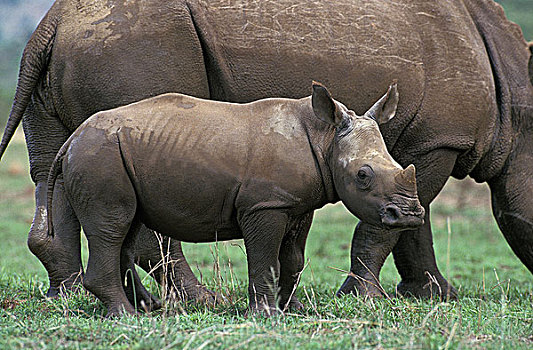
[{"x": 495, "y": 309}]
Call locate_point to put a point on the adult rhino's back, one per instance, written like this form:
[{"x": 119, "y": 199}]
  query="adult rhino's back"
[
  {"x": 107, "y": 55},
  {"x": 269, "y": 48},
  {"x": 435, "y": 50}
]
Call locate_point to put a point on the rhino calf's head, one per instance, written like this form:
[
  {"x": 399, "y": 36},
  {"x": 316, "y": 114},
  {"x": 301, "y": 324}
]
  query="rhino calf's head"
[{"x": 368, "y": 181}]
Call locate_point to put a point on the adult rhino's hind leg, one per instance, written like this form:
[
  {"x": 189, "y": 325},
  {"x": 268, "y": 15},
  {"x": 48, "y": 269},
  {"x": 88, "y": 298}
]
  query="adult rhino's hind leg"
[
  {"x": 61, "y": 254},
  {"x": 163, "y": 258},
  {"x": 135, "y": 290}
]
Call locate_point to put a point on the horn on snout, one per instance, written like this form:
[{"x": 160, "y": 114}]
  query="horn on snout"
[{"x": 407, "y": 177}]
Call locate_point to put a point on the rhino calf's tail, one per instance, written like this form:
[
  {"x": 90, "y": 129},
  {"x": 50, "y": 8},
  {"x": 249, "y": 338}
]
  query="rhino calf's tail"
[{"x": 55, "y": 170}]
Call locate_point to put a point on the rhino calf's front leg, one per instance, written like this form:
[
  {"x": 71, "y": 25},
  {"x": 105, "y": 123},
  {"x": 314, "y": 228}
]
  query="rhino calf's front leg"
[
  {"x": 291, "y": 258},
  {"x": 263, "y": 232}
]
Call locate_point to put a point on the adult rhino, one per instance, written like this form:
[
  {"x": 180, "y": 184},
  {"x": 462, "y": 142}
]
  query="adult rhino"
[{"x": 462, "y": 68}]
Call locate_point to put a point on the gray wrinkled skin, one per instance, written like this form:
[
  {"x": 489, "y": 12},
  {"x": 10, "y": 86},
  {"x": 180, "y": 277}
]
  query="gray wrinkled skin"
[
  {"x": 462, "y": 69},
  {"x": 204, "y": 171}
]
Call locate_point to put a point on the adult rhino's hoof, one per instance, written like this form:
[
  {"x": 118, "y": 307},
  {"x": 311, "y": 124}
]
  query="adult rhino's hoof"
[
  {"x": 427, "y": 290},
  {"x": 359, "y": 287},
  {"x": 117, "y": 312},
  {"x": 212, "y": 298},
  {"x": 152, "y": 305},
  {"x": 198, "y": 295},
  {"x": 145, "y": 301},
  {"x": 52, "y": 292}
]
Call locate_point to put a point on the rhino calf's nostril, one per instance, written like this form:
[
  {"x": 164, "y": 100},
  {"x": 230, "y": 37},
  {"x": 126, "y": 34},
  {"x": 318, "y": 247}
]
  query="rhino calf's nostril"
[{"x": 392, "y": 213}]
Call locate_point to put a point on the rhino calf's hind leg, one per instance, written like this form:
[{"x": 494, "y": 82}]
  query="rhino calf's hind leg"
[
  {"x": 106, "y": 229},
  {"x": 106, "y": 206},
  {"x": 102, "y": 277},
  {"x": 291, "y": 259}
]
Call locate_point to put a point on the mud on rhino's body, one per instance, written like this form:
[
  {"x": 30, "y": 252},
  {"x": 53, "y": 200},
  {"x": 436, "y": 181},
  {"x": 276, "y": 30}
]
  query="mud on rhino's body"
[
  {"x": 461, "y": 65},
  {"x": 202, "y": 171}
]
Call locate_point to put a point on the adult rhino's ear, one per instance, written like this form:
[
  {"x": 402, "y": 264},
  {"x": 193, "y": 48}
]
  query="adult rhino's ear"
[
  {"x": 385, "y": 109},
  {"x": 323, "y": 105},
  {"x": 530, "y": 45}
]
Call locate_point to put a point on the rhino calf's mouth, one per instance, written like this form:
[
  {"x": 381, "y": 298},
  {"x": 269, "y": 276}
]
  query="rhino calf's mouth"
[{"x": 408, "y": 216}]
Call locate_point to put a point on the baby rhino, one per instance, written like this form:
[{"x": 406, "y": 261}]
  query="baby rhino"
[{"x": 204, "y": 171}]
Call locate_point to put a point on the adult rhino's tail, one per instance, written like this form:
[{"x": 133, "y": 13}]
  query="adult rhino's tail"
[{"x": 32, "y": 66}]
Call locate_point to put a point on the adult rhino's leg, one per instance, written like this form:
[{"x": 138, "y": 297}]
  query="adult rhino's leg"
[
  {"x": 370, "y": 247},
  {"x": 291, "y": 259},
  {"x": 163, "y": 258},
  {"x": 133, "y": 287},
  {"x": 61, "y": 254},
  {"x": 414, "y": 254},
  {"x": 512, "y": 203}
]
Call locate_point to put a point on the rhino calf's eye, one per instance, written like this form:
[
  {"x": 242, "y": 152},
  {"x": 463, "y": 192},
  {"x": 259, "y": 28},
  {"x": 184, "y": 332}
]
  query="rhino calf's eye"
[{"x": 365, "y": 177}]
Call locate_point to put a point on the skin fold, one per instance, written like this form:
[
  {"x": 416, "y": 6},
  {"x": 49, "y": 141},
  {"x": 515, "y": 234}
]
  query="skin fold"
[
  {"x": 463, "y": 70},
  {"x": 202, "y": 171}
]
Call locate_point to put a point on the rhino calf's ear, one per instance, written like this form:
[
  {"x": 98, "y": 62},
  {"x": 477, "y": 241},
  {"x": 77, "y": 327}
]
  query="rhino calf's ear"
[
  {"x": 385, "y": 109},
  {"x": 530, "y": 45},
  {"x": 323, "y": 105}
]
